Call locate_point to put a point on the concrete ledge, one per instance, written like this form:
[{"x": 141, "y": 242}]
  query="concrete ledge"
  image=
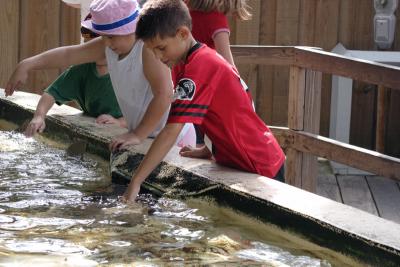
[{"x": 351, "y": 231}]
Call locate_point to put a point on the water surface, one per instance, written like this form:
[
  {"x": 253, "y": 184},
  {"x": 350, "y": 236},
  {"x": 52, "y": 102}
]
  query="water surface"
[{"x": 60, "y": 210}]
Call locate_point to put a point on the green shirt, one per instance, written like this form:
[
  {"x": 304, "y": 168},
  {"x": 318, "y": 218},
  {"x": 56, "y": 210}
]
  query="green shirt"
[{"x": 82, "y": 84}]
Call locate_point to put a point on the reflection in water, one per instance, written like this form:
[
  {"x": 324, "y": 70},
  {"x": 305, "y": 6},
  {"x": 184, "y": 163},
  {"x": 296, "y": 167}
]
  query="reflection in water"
[{"x": 55, "y": 210}]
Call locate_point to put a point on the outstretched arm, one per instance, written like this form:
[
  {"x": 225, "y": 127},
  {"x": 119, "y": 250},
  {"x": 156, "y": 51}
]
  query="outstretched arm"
[
  {"x": 157, "y": 151},
  {"x": 37, "y": 124},
  {"x": 56, "y": 58}
]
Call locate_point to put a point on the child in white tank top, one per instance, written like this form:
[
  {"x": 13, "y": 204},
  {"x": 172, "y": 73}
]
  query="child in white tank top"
[{"x": 142, "y": 83}]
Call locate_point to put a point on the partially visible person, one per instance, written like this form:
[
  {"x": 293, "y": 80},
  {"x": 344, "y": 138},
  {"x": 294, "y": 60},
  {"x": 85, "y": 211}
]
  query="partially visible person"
[
  {"x": 209, "y": 93},
  {"x": 88, "y": 85},
  {"x": 210, "y": 24}
]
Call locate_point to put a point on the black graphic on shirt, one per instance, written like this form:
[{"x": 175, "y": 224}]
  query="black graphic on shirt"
[{"x": 185, "y": 89}]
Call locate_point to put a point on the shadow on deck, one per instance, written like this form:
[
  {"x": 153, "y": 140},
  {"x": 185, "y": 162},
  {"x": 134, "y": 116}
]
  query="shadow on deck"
[{"x": 374, "y": 194}]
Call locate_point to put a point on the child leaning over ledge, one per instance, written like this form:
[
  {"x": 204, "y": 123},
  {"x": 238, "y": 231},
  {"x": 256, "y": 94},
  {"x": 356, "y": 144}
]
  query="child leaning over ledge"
[
  {"x": 209, "y": 93},
  {"x": 210, "y": 26},
  {"x": 142, "y": 84},
  {"x": 88, "y": 85}
]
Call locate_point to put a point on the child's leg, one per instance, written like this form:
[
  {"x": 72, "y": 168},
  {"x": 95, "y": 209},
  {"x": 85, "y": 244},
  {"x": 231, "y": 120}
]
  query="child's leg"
[
  {"x": 199, "y": 136},
  {"x": 280, "y": 176}
]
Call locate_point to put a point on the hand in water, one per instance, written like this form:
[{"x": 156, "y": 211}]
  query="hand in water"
[
  {"x": 36, "y": 125},
  {"x": 131, "y": 193}
]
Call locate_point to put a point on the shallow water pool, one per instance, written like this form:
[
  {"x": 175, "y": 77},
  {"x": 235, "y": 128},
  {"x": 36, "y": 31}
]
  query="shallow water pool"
[{"x": 61, "y": 210}]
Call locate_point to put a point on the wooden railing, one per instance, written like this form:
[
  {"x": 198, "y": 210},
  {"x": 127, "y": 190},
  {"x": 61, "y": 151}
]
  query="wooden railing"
[{"x": 301, "y": 140}]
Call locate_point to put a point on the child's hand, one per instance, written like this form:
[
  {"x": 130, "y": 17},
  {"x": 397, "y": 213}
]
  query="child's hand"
[
  {"x": 131, "y": 193},
  {"x": 124, "y": 140},
  {"x": 106, "y": 119},
  {"x": 17, "y": 79},
  {"x": 191, "y": 152},
  {"x": 36, "y": 125}
]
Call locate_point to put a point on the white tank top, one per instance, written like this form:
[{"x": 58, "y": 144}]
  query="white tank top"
[{"x": 131, "y": 87}]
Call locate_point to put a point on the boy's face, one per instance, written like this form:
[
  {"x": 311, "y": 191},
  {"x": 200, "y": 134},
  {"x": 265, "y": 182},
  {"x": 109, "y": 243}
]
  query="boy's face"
[
  {"x": 120, "y": 44},
  {"x": 170, "y": 50}
]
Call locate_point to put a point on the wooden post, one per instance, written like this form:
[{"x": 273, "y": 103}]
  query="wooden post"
[
  {"x": 312, "y": 112},
  {"x": 297, "y": 82},
  {"x": 294, "y": 159},
  {"x": 383, "y": 95},
  {"x": 303, "y": 115}
]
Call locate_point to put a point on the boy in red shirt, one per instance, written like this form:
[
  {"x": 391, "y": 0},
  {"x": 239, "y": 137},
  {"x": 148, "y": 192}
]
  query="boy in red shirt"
[
  {"x": 209, "y": 93},
  {"x": 210, "y": 27}
]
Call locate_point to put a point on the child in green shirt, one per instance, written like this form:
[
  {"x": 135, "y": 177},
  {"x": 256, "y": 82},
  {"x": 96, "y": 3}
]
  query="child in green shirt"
[{"x": 89, "y": 85}]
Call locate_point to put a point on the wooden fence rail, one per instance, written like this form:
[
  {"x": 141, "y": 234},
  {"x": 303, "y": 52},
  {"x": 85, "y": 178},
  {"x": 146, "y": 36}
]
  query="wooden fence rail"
[
  {"x": 301, "y": 139},
  {"x": 318, "y": 60},
  {"x": 347, "y": 154}
]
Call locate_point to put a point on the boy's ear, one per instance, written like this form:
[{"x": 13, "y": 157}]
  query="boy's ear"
[{"x": 183, "y": 32}]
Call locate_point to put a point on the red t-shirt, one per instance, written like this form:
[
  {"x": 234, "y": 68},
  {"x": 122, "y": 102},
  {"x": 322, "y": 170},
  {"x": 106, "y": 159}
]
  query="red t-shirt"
[
  {"x": 205, "y": 25},
  {"x": 209, "y": 92}
]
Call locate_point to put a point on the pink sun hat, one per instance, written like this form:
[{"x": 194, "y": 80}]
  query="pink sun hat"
[{"x": 113, "y": 17}]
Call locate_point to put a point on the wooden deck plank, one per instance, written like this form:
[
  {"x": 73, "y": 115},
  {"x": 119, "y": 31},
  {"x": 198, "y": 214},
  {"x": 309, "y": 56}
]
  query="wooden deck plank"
[
  {"x": 356, "y": 193},
  {"x": 386, "y": 193},
  {"x": 327, "y": 185}
]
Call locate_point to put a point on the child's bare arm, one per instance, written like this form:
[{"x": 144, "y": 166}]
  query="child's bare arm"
[
  {"x": 160, "y": 147},
  {"x": 222, "y": 46},
  {"x": 37, "y": 124},
  {"x": 159, "y": 77},
  {"x": 56, "y": 58}
]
